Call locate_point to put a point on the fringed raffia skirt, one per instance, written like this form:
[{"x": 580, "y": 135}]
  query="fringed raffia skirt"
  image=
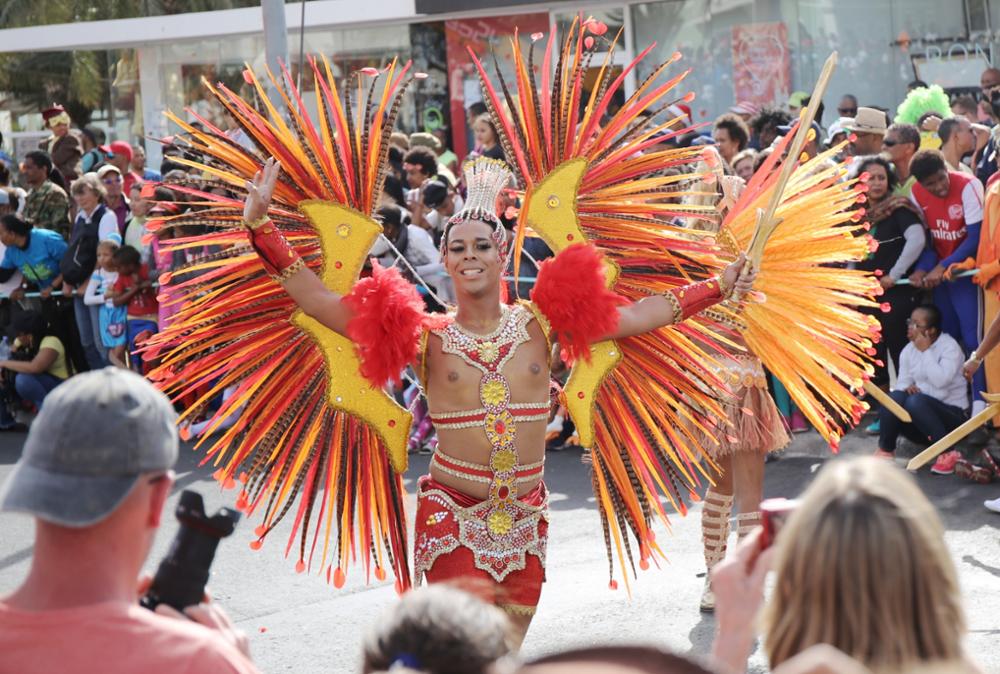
[{"x": 755, "y": 425}]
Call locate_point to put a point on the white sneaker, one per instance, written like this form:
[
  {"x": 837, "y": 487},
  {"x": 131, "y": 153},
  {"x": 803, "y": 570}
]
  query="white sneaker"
[{"x": 993, "y": 505}]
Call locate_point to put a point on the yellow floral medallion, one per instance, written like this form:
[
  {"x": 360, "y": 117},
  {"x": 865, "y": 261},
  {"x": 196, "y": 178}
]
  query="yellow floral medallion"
[
  {"x": 499, "y": 522},
  {"x": 503, "y": 461},
  {"x": 489, "y": 351},
  {"x": 493, "y": 393}
]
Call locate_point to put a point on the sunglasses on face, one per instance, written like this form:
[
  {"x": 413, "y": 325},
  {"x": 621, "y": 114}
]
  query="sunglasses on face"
[
  {"x": 890, "y": 143},
  {"x": 111, "y": 181},
  {"x": 847, "y": 112}
]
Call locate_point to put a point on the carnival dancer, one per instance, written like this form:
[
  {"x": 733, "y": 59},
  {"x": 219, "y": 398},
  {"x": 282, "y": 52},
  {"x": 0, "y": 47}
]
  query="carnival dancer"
[
  {"x": 320, "y": 441},
  {"x": 482, "y": 511}
]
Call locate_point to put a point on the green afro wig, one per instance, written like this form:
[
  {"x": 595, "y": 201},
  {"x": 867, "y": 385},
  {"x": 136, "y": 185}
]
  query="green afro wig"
[{"x": 922, "y": 100}]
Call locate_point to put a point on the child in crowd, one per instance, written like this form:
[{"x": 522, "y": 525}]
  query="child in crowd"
[
  {"x": 136, "y": 226},
  {"x": 112, "y": 318},
  {"x": 134, "y": 289}
]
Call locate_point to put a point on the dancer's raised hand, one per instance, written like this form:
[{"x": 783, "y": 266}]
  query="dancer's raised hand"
[{"x": 259, "y": 191}]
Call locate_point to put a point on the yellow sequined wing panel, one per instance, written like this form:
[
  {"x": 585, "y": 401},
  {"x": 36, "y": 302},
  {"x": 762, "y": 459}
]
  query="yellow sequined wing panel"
[
  {"x": 300, "y": 430},
  {"x": 345, "y": 238}
]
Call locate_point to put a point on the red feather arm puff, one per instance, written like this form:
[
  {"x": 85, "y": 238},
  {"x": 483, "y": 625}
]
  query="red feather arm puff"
[
  {"x": 388, "y": 320},
  {"x": 572, "y": 293}
]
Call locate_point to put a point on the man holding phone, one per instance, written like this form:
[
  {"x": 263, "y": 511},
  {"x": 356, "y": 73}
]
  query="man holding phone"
[
  {"x": 930, "y": 386},
  {"x": 96, "y": 491}
]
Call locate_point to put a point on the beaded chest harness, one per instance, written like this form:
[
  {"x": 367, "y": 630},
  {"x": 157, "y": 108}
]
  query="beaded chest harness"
[{"x": 501, "y": 529}]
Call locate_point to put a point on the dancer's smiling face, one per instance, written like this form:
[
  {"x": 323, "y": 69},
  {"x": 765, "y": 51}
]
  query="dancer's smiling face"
[{"x": 471, "y": 258}]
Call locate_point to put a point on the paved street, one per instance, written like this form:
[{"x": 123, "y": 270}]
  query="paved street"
[{"x": 299, "y": 624}]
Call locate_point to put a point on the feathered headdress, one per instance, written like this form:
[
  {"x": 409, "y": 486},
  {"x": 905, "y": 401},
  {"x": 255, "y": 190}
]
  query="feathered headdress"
[{"x": 485, "y": 178}]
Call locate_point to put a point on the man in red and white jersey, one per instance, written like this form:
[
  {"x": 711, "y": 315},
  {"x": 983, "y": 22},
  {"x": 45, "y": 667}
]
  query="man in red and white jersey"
[{"x": 951, "y": 204}]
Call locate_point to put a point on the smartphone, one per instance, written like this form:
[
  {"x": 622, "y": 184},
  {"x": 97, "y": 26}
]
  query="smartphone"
[{"x": 774, "y": 512}]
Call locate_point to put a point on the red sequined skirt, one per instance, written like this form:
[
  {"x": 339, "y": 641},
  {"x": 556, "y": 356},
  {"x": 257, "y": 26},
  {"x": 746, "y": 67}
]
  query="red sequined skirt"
[{"x": 453, "y": 542}]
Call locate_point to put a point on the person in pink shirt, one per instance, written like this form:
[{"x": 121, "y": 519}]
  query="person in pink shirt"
[{"x": 97, "y": 498}]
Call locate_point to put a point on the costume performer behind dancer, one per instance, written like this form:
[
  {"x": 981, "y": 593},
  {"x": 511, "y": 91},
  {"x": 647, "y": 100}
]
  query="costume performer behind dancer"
[
  {"x": 755, "y": 427},
  {"x": 801, "y": 288}
]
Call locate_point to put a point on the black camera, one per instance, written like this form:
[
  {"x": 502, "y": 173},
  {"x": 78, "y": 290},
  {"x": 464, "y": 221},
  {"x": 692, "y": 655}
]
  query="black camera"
[{"x": 181, "y": 577}]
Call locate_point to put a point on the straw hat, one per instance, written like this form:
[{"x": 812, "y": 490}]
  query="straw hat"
[{"x": 868, "y": 120}]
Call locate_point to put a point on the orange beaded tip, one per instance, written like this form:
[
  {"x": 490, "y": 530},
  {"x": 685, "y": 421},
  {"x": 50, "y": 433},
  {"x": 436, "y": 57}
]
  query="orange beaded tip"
[
  {"x": 339, "y": 578},
  {"x": 644, "y": 564},
  {"x": 255, "y": 545},
  {"x": 300, "y": 566},
  {"x": 613, "y": 585},
  {"x": 260, "y": 530},
  {"x": 379, "y": 573},
  {"x": 241, "y": 501}
]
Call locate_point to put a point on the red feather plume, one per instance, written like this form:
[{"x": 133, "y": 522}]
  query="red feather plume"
[
  {"x": 388, "y": 319},
  {"x": 572, "y": 293}
]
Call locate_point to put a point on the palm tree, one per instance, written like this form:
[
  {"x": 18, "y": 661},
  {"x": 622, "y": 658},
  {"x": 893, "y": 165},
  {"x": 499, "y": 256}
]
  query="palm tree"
[{"x": 79, "y": 80}]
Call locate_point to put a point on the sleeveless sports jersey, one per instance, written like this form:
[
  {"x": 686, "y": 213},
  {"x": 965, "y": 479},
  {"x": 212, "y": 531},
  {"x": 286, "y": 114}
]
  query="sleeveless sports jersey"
[{"x": 947, "y": 219}]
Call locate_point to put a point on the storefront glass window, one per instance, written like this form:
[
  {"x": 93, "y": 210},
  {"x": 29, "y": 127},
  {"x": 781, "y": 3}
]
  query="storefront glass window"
[
  {"x": 764, "y": 50},
  {"x": 182, "y": 67}
]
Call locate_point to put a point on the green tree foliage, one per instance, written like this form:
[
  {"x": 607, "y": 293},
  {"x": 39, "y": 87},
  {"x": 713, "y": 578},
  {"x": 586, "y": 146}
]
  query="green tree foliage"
[{"x": 79, "y": 80}]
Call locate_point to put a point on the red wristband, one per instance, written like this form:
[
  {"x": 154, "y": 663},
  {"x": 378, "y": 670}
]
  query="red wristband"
[
  {"x": 280, "y": 259},
  {"x": 692, "y": 299}
]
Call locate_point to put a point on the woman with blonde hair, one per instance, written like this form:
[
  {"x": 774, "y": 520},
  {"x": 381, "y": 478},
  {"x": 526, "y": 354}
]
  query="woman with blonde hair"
[{"x": 861, "y": 565}]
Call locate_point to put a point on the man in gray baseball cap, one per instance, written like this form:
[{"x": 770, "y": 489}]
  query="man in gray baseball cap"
[
  {"x": 95, "y": 473},
  {"x": 95, "y": 437}
]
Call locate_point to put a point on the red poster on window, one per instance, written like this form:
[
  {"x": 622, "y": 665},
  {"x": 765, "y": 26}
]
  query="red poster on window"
[
  {"x": 482, "y": 36},
  {"x": 761, "y": 65}
]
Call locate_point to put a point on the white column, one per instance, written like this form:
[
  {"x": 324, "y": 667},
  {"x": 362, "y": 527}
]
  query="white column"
[
  {"x": 275, "y": 43},
  {"x": 151, "y": 88}
]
